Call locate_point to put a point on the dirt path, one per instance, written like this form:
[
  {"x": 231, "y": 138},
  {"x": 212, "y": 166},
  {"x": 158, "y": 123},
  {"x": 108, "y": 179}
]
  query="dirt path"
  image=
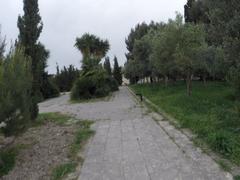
[{"x": 130, "y": 145}]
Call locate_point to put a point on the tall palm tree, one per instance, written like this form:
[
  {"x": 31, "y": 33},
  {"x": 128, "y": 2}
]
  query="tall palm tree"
[{"x": 92, "y": 46}]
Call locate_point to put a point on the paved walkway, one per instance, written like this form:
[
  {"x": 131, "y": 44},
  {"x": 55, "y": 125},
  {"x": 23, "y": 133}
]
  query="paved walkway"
[{"x": 130, "y": 145}]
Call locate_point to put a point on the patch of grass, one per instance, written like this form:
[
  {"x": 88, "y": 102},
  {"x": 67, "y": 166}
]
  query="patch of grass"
[
  {"x": 56, "y": 117},
  {"x": 224, "y": 165},
  {"x": 237, "y": 178},
  {"x": 62, "y": 170},
  {"x": 211, "y": 112},
  {"x": 82, "y": 135},
  {"x": 8, "y": 158}
]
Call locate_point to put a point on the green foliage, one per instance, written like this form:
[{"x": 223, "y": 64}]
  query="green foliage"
[
  {"x": 107, "y": 66},
  {"x": 30, "y": 27},
  {"x": 58, "y": 118},
  {"x": 164, "y": 44},
  {"x": 169, "y": 50},
  {"x": 2, "y": 46},
  {"x": 94, "y": 81},
  {"x": 82, "y": 135},
  {"x": 112, "y": 83},
  {"x": 210, "y": 112},
  {"x": 49, "y": 88},
  {"x": 237, "y": 178},
  {"x": 141, "y": 52},
  {"x": 92, "y": 47},
  {"x": 196, "y": 12},
  {"x": 15, "y": 89},
  {"x": 7, "y": 158},
  {"x": 65, "y": 78},
  {"x": 192, "y": 39},
  {"x": 234, "y": 79},
  {"x": 131, "y": 71},
  {"x": 221, "y": 20},
  {"x": 137, "y": 33},
  {"x": 93, "y": 84},
  {"x": 137, "y": 48},
  {"x": 61, "y": 171},
  {"x": 117, "y": 72},
  {"x": 224, "y": 165},
  {"x": 223, "y": 31},
  {"x": 211, "y": 63}
]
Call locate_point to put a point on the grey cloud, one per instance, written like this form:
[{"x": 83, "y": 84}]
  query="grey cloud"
[{"x": 64, "y": 20}]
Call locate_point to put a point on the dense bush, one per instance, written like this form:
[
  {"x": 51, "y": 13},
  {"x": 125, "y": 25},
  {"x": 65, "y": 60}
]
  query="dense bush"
[
  {"x": 112, "y": 82},
  {"x": 15, "y": 91},
  {"x": 95, "y": 83},
  {"x": 49, "y": 88}
]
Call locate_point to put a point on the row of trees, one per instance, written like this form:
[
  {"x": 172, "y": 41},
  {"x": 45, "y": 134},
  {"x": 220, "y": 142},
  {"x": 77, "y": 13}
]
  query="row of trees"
[
  {"x": 116, "y": 72},
  {"x": 221, "y": 24},
  {"x": 205, "y": 47},
  {"x": 66, "y": 77}
]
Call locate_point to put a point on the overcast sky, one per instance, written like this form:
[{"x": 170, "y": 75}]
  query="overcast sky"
[{"x": 64, "y": 20}]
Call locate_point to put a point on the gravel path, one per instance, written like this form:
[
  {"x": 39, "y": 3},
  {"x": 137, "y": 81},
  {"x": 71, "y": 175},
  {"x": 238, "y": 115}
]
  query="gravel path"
[{"x": 130, "y": 145}]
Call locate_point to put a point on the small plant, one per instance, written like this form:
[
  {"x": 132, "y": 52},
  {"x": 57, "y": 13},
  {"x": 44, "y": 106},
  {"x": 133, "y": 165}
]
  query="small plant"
[
  {"x": 58, "y": 118},
  {"x": 224, "y": 165},
  {"x": 82, "y": 135},
  {"x": 7, "y": 159},
  {"x": 62, "y": 170},
  {"x": 237, "y": 178}
]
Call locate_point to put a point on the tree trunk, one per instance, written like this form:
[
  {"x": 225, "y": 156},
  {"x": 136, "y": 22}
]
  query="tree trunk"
[
  {"x": 204, "y": 79},
  {"x": 166, "y": 80},
  {"x": 189, "y": 84},
  {"x": 147, "y": 80},
  {"x": 151, "y": 79}
]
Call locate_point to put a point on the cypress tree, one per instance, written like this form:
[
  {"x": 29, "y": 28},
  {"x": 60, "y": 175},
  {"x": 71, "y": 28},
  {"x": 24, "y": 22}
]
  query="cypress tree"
[
  {"x": 30, "y": 27},
  {"x": 117, "y": 74},
  {"x": 107, "y": 66}
]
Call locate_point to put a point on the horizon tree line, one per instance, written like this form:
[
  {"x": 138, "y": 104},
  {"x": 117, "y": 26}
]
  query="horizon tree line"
[{"x": 205, "y": 47}]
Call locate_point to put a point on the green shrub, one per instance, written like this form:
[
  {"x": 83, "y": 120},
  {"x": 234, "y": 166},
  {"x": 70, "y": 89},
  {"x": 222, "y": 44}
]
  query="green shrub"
[
  {"x": 93, "y": 84},
  {"x": 15, "y": 92},
  {"x": 62, "y": 170},
  {"x": 48, "y": 88},
  {"x": 237, "y": 178},
  {"x": 113, "y": 84},
  {"x": 222, "y": 142},
  {"x": 7, "y": 157}
]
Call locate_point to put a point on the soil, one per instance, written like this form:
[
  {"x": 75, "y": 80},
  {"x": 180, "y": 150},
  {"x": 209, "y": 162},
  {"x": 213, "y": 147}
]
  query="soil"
[{"x": 43, "y": 148}]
